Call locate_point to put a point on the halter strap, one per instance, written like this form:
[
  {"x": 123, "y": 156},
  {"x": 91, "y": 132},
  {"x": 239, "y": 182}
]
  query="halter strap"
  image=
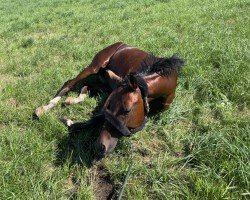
[{"x": 118, "y": 125}]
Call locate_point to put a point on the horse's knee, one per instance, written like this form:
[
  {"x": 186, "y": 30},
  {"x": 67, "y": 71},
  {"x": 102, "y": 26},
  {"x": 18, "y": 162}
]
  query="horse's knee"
[
  {"x": 166, "y": 106},
  {"x": 169, "y": 99}
]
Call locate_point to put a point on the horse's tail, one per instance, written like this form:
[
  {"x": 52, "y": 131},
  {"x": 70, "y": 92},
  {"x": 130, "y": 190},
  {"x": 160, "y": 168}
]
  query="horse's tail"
[{"x": 168, "y": 66}]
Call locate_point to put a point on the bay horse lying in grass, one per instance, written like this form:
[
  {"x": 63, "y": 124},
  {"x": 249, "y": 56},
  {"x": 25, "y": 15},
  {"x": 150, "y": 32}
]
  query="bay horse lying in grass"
[{"x": 136, "y": 78}]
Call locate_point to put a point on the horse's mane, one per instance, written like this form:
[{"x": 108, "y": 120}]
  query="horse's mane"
[
  {"x": 140, "y": 82},
  {"x": 152, "y": 64},
  {"x": 161, "y": 66}
]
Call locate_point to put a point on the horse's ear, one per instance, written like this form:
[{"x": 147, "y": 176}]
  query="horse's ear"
[
  {"x": 113, "y": 76},
  {"x": 132, "y": 82}
]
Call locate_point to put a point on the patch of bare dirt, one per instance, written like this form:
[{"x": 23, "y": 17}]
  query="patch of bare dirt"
[
  {"x": 71, "y": 187},
  {"x": 12, "y": 102},
  {"x": 103, "y": 185},
  {"x": 6, "y": 79}
]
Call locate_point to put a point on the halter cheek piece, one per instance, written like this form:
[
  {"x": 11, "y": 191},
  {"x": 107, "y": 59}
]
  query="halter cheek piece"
[{"x": 119, "y": 125}]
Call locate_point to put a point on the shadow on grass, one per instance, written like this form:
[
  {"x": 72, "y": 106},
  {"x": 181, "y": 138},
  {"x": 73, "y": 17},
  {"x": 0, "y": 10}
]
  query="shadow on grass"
[{"x": 78, "y": 149}]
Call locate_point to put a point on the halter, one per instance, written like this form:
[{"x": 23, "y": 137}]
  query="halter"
[
  {"x": 107, "y": 115},
  {"x": 117, "y": 124}
]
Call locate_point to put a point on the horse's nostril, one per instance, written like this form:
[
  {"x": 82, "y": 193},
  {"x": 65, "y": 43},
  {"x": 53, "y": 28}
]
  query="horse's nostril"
[{"x": 102, "y": 149}]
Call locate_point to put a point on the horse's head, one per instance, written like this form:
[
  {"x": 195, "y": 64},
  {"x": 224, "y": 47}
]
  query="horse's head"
[{"x": 125, "y": 113}]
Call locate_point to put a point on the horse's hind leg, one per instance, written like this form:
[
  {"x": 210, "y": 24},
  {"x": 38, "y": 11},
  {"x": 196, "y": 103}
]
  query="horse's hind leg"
[
  {"x": 73, "y": 126},
  {"x": 109, "y": 75},
  {"x": 100, "y": 60},
  {"x": 78, "y": 126}
]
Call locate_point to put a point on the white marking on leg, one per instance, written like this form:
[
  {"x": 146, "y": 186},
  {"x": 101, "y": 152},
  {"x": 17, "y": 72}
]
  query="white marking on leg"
[
  {"x": 42, "y": 109},
  {"x": 52, "y": 103},
  {"x": 67, "y": 122},
  {"x": 80, "y": 98}
]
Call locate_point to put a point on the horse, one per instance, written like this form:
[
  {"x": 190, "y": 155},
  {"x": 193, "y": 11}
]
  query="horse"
[{"x": 136, "y": 78}]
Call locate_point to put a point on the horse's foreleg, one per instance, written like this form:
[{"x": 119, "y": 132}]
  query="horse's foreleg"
[
  {"x": 100, "y": 60},
  {"x": 42, "y": 109},
  {"x": 169, "y": 99},
  {"x": 65, "y": 89},
  {"x": 80, "y": 98}
]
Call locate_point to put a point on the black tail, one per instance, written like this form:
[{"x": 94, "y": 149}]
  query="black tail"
[{"x": 168, "y": 66}]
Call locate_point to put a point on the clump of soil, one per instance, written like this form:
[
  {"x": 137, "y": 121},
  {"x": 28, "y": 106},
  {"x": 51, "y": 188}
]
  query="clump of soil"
[{"x": 103, "y": 185}]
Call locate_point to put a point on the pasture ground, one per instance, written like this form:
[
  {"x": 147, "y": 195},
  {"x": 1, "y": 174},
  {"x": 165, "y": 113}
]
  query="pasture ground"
[{"x": 198, "y": 149}]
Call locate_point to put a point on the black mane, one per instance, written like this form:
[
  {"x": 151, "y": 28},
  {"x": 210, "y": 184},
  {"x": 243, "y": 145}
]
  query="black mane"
[
  {"x": 140, "y": 82},
  {"x": 152, "y": 64},
  {"x": 161, "y": 66}
]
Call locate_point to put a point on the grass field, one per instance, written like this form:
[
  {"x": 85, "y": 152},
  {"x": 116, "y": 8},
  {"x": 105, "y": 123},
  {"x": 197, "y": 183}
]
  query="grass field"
[{"x": 198, "y": 149}]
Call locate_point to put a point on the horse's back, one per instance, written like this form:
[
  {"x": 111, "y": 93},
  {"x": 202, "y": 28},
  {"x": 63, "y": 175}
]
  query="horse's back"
[{"x": 127, "y": 59}]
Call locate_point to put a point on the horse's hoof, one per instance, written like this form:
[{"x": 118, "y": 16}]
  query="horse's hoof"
[
  {"x": 67, "y": 122},
  {"x": 84, "y": 90},
  {"x": 39, "y": 111}
]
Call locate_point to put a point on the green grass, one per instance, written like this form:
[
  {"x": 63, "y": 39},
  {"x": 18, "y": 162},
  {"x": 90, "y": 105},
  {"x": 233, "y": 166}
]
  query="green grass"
[{"x": 198, "y": 149}]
